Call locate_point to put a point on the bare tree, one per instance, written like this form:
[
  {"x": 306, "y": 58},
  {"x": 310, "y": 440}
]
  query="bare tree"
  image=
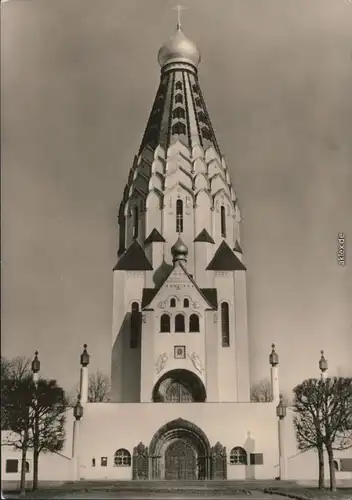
[
  {"x": 98, "y": 389},
  {"x": 323, "y": 419},
  {"x": 261, "y": 392}
]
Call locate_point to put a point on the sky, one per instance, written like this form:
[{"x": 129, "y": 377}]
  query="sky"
[{"x": 78, "y": 81}]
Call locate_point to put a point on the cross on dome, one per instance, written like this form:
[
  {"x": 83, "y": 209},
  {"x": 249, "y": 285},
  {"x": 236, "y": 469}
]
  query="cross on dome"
[{"x": 179, "y": 9}]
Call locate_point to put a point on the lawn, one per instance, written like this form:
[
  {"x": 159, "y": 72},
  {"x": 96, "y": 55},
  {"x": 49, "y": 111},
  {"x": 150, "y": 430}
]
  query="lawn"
[{"x": 300, "y": 492}]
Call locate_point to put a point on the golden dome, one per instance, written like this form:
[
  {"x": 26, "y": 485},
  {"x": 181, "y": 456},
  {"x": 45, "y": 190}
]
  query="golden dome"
[{"x": 179, "y": 49}]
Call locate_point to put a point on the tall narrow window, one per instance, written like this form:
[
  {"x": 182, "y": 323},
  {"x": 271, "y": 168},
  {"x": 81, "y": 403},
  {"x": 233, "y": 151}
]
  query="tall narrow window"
[
  {"x": 225, "y": 330},
  {"x": 178, "y": 85},
  {"x": 223, "y": 221},
  {"x": 165, "y": 323},
  {"x": 194, "y": 323},
  {"x": 135, "y": 222},
  {"x": 135, "y": 325},
  {"x": 186, "y": 303},
  {"x": 179, "y": 216},
  {"x": 179, "y": 323},
  {"x": 172, "y": 302}
]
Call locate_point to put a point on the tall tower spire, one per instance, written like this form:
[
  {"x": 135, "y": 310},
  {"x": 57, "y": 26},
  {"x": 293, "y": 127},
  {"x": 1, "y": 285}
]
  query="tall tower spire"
[{"x": 179, "y": 242}]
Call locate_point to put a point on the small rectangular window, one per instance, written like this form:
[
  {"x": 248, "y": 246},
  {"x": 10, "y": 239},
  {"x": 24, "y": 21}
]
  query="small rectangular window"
[
  {"x": 93, "y": 462},
  {"x": 104, "y": 461},
  {"x": 346, "y": 464},
  {"x": 256, "y": 459},
  {"x": 11, "y": 466}
]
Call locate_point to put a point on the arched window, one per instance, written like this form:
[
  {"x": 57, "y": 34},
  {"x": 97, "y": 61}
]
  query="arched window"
[
  {"x": 178, "y": 98},
  {"x": 178, "y": 112},
  {"x": 122, "y": 458},
  {"x": 179, "y": 128},
  {"x": 172, "y": 302},
  {"x": 135, "y": 222},
  {"x": 197, "y": 102},
  {"x": 135, "y": 325},
  {"x": 238, "y": 456},
  {"x": 202, "y": 117},
  {"x": 178, "y": 85},
  {"x": 186, "y": 303},
  {"x": 225, "y": 330},
  {"x": 179, "y": 323},
  {"x": 223, "y": 221},
  {"x": 179, "y": 216},
  {"x": 205, "y": 133},
  {"x": 165, "y": 325},
  {"x": 195, "y": 88},
  {"x": 194, "y": 323}
]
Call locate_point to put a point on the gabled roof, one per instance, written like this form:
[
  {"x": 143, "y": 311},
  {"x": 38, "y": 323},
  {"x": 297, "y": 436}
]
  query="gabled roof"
[
  {"x": 133, "y": 259},
  {"x": 237, "y": 247},
  {"x": 225, "y": 260},
  {"x": 208, "y": 294},
  {"x": 154, "y": 236},
  {"x": 204, "y": 236}
]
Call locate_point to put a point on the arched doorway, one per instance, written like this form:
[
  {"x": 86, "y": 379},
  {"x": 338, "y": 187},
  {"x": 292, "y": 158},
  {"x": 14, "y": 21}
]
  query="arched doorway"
[
  {"x": 179, "y": 386},
  {"x": 180, "y": 450},
  {"x": 180, "y": 460}
]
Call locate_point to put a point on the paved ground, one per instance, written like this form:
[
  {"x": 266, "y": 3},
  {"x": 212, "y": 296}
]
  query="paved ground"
[
  {"x": 256, "y": 495},
  {"x": 160, "y": 496}
]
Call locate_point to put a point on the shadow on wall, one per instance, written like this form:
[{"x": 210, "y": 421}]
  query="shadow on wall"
[
  {"x": 126, "y": 366},
  {"x": 162, "y": 273},
  {"x": 249, "y": 446}
]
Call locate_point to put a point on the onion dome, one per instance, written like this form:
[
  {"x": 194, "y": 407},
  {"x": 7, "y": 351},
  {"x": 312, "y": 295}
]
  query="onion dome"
[
  {"x": 179, "y": 49},
  {"x": 179, "y": 250}
]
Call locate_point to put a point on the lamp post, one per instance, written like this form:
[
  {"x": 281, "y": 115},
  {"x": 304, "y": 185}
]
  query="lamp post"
[
  {"x": 84, "y": 383},
  {"x": 323, "y": 366},
  {"x": 35, "y": 372},
  {"x": 274, "y": 373},
  {"x": 281, "y": 410},
  {"x": 78, "y": 414}
]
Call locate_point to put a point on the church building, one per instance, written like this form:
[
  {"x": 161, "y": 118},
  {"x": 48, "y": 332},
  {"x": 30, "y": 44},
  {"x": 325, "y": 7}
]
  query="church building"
[{"x": 180, "y": 399}]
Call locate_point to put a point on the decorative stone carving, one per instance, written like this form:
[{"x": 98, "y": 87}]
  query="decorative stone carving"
[
  {"x": 144, "y": 318},
  {"x": 140, "y": 469},
  {"x": 215, "y": 319},
  {"x": 218, "y": 462},
  {"x": 161, "y": 304},
  {"x": 195, "y": 305},
  {"x": 197, "y": 363},
  {"x": 161, "y": 362}
]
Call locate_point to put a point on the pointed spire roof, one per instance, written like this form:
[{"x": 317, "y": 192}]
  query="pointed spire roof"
[
  {"x": 225, "y": 260},
  {"x": 204, "y": 237},
  {"x": 154, "y": 237},
  {"x": 179, "y": 112},
  {"x": 134, "y": 259}
]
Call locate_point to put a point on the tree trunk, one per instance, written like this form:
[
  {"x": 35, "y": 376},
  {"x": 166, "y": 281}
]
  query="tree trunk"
[
  {"x": 35, "y": 470},
  {"x": 331, "y": 468},
  {"x": 23, "y": 464},
  {"x": 321, "y": 467}
]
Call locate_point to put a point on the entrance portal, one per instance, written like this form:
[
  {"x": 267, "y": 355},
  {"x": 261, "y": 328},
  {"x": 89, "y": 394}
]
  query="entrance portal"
[
  {"x": 180, "y": 451},
  {"x": 180, "y": 461}
]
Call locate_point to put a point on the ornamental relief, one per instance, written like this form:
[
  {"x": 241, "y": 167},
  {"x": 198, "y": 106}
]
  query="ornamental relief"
[
  {"x": 161, "y": 362},
  {"x": 196, "y": 361}
]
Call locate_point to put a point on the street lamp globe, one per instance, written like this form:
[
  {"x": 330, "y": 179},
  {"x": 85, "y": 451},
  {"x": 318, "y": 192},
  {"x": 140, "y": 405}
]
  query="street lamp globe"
[
  {"x": 78, "y": 409},
  {"x": 323, "y": 363},
  {"x": 35, "y": 363},
  {"x": 281, "y": 408}
]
